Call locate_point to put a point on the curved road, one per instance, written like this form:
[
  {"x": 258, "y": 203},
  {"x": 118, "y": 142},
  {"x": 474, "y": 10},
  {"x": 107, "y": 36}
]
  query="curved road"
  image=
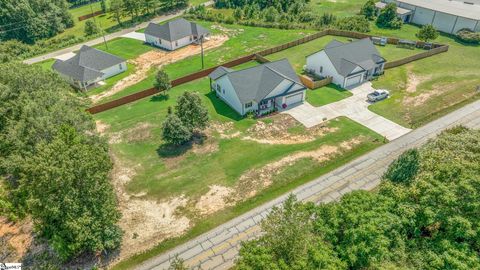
[
  {"x": 108, "y": 37},
  {"x": 218, "y": 248}
]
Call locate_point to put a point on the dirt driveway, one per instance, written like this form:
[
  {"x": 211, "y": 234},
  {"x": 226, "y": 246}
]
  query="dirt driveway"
[{"x": 157, "y": 58}]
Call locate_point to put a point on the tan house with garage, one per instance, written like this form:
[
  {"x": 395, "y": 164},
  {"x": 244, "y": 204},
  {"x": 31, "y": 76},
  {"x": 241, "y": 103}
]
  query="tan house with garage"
[
  {"x": 260, "y": 89},
  {"x": 348, "y": 64}
]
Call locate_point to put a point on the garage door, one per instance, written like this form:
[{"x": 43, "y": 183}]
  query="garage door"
[
  {"x": 296, "y": 98},
  {"x": 353, "y": 80}
]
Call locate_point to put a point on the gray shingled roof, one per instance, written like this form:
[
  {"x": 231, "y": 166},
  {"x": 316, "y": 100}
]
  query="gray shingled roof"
[
  {"x": 175, "y": 30},
  {"x": 347, "y": 56},
  {"x": 87, "y": 64},
  {"x": 257, "y": 82}
]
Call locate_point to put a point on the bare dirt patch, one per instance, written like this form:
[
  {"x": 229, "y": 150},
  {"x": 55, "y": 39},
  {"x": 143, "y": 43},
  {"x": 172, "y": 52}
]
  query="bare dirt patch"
[
  {"x": 257, "y": 179},
  {"x": 279, "y": 131},
  {"x": 101, "y": 127},
  {"x": 146, "y": 222},
  {"x": 157, "y": 58},
  {"x": 214, "y": 200},
  {"x": 140, "y": 132},
  {"x": 414, "y": 80},
  {"x": 15, "y": 239}
]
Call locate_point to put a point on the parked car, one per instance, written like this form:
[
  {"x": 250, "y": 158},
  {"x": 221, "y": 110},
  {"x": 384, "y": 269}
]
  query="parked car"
[{"x": 378, "y": 95}]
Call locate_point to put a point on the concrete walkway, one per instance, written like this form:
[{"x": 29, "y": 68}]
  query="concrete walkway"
[
  {"x": 218, "y": 248},
  {"x": 108, "y": 37},
  {"x": 355, "y": 108},
  {"x": 135, "y": 35}
]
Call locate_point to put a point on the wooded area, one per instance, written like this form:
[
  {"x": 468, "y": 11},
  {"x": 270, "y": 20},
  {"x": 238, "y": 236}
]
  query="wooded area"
[{"x": 424, "y": 216}]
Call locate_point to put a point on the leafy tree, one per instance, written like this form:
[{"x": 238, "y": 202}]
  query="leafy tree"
[
  {"x": 148, "y": 6},
  {"x": 388, "y": 17},
  {"x": 174, "y": 131},
  {"x": 103, "y": 5},
  {"x": 132, "y": 7},
  {"x": 91, "y": 28},
  {"x": 81, "y": 212},
  {"x": 428, "y": 222},
  {"x": 369, "y": 10},
  {"x": 31, "y": 20},
  {"x": 162, "y": 81},
  {"x": 116, "y": 7},
  {"x": 238, "y": 14},
  {"x": 325, "y": 19},
  {"x": 405, "y": 168},
  {"x": 57, "y": 175},
  {"x": 191, "y": 111},
  {"x": 427, "y": 32}
]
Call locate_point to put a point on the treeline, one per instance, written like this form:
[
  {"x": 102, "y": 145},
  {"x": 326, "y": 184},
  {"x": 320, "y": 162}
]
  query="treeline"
[
  {"x": 140, "y": 8},
  {"x": 423, "y": 216},
  {"x": 53, "y": 165},
  {"x": 290, "y": 15},
  {"x": 31, "y": 20}
]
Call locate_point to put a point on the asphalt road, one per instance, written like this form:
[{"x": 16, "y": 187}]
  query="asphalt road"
[
  {"x": 108, "y": 37},
  {"x": 218, "y": 248}
]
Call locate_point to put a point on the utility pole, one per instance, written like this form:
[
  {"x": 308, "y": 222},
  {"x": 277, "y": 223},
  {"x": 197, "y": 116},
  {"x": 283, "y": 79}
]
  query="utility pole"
[
  {"x": 201, "y": 45},
  {"x": 99, "y": 25}
]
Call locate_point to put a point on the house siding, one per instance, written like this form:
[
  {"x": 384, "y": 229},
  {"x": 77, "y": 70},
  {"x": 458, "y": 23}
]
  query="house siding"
[
  {"x": 320, "y": 59},
  {"x": 114, "y": 70},
  {"x": 167, "y": 44},
  {"x": 229, "y": 97}
]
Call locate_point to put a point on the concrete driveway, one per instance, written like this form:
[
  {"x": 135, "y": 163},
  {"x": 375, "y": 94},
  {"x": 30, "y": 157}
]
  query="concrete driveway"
[
  {"x": 135, "y": 35},
  {"x": 355, "y": 108}
]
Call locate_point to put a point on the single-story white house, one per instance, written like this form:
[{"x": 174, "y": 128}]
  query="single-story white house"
[
  {"x": 260, "y": 89},
  {"x": 349, "y": 63},
  {"x": 174, "y": 34},
  {"x": 89, "y": 66},
  {"x": 445, "y": 15}
]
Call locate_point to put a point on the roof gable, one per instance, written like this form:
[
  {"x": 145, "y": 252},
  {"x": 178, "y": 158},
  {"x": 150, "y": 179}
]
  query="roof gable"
[
  {"x": 255, "y": 83},
  {"x": 175, "y": 30},
  {"x": 346, "y": 56}
]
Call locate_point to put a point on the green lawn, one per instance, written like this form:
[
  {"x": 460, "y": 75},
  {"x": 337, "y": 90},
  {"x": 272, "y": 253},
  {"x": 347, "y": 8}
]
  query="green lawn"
[
  {"x": 327, "y": 94},
  {"x": 47, "y": 64},
  {"x": 444, "y": 82},
  {"x": 242, "y": 40},
  {"x": 340, "y": 8},
  {"x": 297, "y": 55},
  {"x": 194, "y": 172},
  {"x": 127, "y": 48}
]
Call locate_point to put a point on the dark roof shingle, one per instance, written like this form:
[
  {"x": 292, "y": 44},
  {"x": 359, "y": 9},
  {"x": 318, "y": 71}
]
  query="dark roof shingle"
[{"x": 175, "y": 30}]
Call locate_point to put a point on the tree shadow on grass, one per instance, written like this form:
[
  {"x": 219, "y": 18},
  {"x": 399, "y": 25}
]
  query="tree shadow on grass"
[
  {"x": 171, "y": 151},
  {"x": 222, "y": 108},
  {"x": 159, "y": 97}
]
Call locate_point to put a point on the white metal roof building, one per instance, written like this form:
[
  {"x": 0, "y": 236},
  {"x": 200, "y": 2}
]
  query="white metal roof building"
[{"x": 446, "y": 16}]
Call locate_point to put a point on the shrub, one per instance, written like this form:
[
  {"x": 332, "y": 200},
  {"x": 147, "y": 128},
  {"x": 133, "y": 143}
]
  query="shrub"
[
  {"x": 388, "y": 17},
  {"x": 174, "y": 131},
  {"x": 91, "y": 28},
  {"x": 405, "y": 168},
  {"x": 369, "y": 10},
  {"x": 468, "y": 36},
  {"x": 162, "y": 81},
  {"x": 191, "y": 111},
  {"x": 356, "y": 23},
  {"x": 427, "y": 32}
]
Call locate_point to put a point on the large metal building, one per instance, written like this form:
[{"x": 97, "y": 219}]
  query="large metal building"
[{"x": 446, "y": 16}]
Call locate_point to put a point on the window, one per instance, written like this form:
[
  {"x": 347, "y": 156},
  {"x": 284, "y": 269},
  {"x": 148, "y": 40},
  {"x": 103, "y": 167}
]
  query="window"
[
  {"x": 190, "y": 38},
  {"x": 219, "y": 89},
  {"x": 321, "y": 69},
  {"x": 159, "y": 41},
  {"x": 176, "y": 43},
  {"x": 264, "y": 102},
  {"x": 223, "y": 90},
  {"x": 120, "y": 66},
  {"x": 248, "y": 105}
]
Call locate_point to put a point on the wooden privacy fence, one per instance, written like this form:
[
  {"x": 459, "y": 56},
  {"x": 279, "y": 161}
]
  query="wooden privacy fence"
[
  {"x": 438, "y": 48},
  {"x": 152, "y": 91},
  {"x": 416, "y": 57},
  {"x": 90, "y": 15},
  {"x": 311, "y": 84}
]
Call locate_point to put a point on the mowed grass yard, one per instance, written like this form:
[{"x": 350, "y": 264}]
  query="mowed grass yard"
[
  {"x": 162, "y": 172},
  {"x": 242, "y": 40},
  {"x": 297, "y": 55},
  {"x": 424, "y": 90}
]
